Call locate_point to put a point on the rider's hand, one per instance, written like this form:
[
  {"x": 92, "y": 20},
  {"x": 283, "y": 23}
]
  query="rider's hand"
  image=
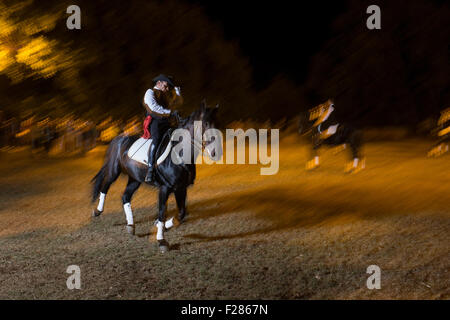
[
  {"x": 174, "y": 118},
  {"x": 177, "y": 90},
  {"x": 175, "y": 115}
]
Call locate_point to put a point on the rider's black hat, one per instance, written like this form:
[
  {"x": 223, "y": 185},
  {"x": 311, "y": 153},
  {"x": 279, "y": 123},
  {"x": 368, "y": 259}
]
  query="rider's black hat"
[{"x": 163, "y": 77}]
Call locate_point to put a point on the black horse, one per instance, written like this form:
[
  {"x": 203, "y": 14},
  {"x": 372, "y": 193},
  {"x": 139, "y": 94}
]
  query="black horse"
[
  {"x": 169, "y": 177},
  {"x": 345, "y": 135}
]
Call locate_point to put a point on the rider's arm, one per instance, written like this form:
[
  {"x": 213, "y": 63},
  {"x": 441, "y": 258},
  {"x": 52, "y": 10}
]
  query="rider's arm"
[
  {"x": 329, "y": 124},
  {"x": 153, "y": 106}
]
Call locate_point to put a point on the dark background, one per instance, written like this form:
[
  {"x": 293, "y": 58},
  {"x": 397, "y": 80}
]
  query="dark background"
[{"x": 262, "y": 61}]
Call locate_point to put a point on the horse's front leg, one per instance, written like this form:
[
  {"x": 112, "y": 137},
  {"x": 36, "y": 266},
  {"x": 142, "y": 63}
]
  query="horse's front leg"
[{"x": 160, "y": 223}]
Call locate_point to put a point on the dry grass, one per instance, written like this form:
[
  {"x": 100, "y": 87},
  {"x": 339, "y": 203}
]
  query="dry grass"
[{"x": 295, "y": 235}]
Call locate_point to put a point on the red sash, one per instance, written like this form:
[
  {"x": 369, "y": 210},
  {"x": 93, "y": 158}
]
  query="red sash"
[{"x": 147, "y": 121}]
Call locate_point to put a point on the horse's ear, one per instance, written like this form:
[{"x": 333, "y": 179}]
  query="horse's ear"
[
  {"x": 215, "y": 109},
  {"x": 203, "y": 104}
]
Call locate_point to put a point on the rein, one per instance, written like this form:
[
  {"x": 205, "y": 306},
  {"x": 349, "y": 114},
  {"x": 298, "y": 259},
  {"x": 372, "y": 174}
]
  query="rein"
[{"x": 184, "y": 123}]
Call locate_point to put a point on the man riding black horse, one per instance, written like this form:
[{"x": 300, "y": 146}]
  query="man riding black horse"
[
  {"x": 327, "y": 123},
  {"x": 158, "y": 103},
  {"x": 324, "y": 126}
]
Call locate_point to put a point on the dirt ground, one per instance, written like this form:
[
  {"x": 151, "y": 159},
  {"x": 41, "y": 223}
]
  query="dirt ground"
[{"x": 293, "y": 235}]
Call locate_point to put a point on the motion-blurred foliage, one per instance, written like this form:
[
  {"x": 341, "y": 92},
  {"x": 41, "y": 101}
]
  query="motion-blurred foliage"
[{"x": 105, "y": 68}]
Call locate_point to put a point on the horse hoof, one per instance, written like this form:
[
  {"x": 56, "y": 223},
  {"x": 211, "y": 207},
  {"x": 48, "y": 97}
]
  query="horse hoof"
[
  {"x": 182, "y": 217},
  {"x": 353, "y": 170},
  {"x": 350, "y": 170},
  {"x": 163, "y": 246},
  {"x": 180, "y": 220},
  {"x": 311, "y": 167},
  {"x": 131, "y": 229},
  {"x": 96, "y": 213}
]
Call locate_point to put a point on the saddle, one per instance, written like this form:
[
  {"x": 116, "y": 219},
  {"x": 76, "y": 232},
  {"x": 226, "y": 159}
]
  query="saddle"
[
  {"x": 139, "y": 149},
  {"x": 139, "y": 152}
]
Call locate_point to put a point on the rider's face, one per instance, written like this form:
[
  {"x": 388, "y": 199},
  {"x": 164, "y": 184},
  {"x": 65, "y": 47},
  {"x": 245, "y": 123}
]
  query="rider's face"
[{"x": 163, "y": 86}]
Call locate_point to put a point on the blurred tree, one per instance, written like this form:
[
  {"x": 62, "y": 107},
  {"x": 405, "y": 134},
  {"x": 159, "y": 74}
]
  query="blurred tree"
[
  {"x": 109, "y": 63},
  {"x": 32, "y": 59}
]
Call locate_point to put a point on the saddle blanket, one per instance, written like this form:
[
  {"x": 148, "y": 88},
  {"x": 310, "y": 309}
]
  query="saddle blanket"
[{"x": 139, "y": 151}]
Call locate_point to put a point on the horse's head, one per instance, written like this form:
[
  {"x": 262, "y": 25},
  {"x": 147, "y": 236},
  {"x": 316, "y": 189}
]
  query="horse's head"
[{"x": 207, "y": 117}]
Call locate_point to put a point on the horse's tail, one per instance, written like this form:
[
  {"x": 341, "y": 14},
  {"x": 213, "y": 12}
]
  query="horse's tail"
[{"x": 110, "y": 169}]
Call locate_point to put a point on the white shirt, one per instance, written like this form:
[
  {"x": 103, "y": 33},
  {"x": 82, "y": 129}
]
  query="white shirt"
[
  {"x": 150, "y": 101},
  {"x": 331, "y": 129}
]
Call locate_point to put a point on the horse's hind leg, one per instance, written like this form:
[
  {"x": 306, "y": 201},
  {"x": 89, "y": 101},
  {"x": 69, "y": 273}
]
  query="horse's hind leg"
[
  {"x": 113, "y": 175},
  {"x": 131, "y": 188},
  {"x": 101, "y": 204},
  {"x": 180, "y": 197}
]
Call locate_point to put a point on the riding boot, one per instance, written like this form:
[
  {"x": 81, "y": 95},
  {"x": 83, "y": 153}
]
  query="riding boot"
[{"x": 151, "y": 163}]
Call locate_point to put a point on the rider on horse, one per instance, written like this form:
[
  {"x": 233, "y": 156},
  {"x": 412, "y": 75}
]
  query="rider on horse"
[
  {"x": 326, "y": 122},
  {"x": 158, "y": 103},
  {"x": 325, "y": 126}
]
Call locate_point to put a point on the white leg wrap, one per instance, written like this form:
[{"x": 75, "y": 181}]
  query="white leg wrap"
[
  {"x": 316, "y": 160},
  {"x": 160, "y": 233},
  {"x": 101, "y": 202},
  {"x": 169, "y": 223},
  {"x": 355, "y": 162},
  {"x": 128, "y": 213}
]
